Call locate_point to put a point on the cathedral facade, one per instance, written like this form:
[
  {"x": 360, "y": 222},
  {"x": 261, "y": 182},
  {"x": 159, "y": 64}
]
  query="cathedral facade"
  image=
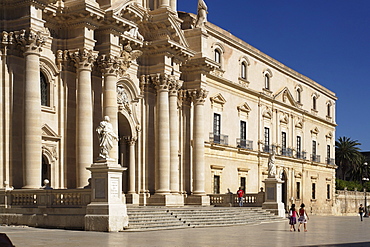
[{"x": 197, "y": 111}]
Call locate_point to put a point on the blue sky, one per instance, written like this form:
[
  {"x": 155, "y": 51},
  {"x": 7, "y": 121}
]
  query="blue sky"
[{"x": 326, "y": 40}]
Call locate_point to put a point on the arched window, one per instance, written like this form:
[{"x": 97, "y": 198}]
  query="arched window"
[
  {"x": 217, "y": 56},
  {"x": 267, "y": 81},
  {"x": 329, "y": 110},
  {"x": 299, "y": 96},
  {"x": 243, "y": 72},
  {"x": 314, "y": 102},
  {"x": 44, "y": 86}
]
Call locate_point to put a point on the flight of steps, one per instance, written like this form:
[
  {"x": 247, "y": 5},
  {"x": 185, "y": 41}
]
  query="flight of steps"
[{"x": 157, "y": 218}]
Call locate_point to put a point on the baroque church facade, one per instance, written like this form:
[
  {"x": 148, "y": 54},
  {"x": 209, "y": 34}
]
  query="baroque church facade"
[{"x": 197, "y": 110}]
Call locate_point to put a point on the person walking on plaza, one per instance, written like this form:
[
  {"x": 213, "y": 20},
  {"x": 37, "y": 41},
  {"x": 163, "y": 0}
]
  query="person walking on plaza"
[
  {"x": 240, "y": 193},
  {"x": 303, "y": 217},
  {"x": 292, "y": 217},
  {"x": 361, "y": 211}
]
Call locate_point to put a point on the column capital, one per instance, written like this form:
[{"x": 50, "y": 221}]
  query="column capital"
[
  {"x": 174, "y": 87},
  {"x": 109, "y": 64},
  {"x": 198, "y": 95},
  {"x": 83, "y": 58},
  {"x": 29, "y": 41},
  {"x": 162, "y": 82},
  {"x": 131, "y": 140}
]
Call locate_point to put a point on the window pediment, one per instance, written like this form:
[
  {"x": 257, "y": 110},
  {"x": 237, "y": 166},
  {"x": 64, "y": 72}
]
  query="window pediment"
[
  {"x": 218, "y": 99},
  {"x": 48, "y": 133},
  {"x": 244, "y": 108},
  {"x": 286, "y": 97}
]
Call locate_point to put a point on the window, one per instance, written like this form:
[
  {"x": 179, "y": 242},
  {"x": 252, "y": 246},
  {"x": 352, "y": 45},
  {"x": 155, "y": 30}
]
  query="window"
[
  {"x": 299, "y": 145},
  {"x": 243, "y": 130},
  {"x": 216, "y": 184},
  {"x": 216, "y": 127},
  {"x": 314, "y": 148},
  {"x": 283, "y": 141},
  {"x": 243, "y": 73},
  {"x": 328, "y": 151},
  {"x": 243, "y": 183},
  {"x": 329, "y": 110},
  {"x": 267, "y": 82},
  {"x": 298, "y": 190},
  {"x": 299, "y": 96},
  {"x": 314, "y": 103},
  {"x": 217, "y": 56},
  {"x": 328, "y": 191},
  {"x": 44, "y": 86},
  {"x": 267, "y": 138},
  {"x": 313, "y": 191}
]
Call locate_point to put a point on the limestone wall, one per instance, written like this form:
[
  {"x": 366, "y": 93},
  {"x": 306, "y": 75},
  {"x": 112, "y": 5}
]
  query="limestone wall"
[{"x": 347, "y": 202}]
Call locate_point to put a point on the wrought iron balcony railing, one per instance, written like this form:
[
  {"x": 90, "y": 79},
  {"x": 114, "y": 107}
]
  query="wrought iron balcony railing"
[
  {"x": 242, "y": 143},
  {"x": 315, "y": 158},
  {"x": 219, "y": 138}
]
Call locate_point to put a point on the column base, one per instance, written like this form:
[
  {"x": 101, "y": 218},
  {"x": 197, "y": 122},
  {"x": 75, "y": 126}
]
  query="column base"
[
  {"x": 169, "y": 200},
  {"x": 104, "y": 217},
  {"x": 198, "y": 200},
  {"x": 274, "y": 207},
  {"x": 133, "y": 199}
]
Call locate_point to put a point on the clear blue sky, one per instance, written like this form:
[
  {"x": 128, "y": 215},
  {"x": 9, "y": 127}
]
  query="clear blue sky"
[{"x": 326, "y": 40}]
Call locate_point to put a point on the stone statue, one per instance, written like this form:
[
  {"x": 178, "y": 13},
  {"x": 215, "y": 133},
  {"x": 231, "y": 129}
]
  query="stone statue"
[
  {"x": 271, "y": 165},
  {"x": 202, "y": 14},
  {"x": 106, "y": 138}
]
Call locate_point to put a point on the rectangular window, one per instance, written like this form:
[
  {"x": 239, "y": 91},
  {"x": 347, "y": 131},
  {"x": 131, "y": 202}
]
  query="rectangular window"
[
  {"x": 216, "y": 127},
  {"x": 313, "y": 148},
  {"x": 298, "y": 190},
  {"x": 267, "y": 138},
  {"x": 267, "y": 82},
  {"x": 283, "y": 141},
  {"x": 328, "y": 191},
  {"x": 216, "y": 184},
  {"x": 299, "y": 145},
  {"x": 243, "y": 183},
  {"x": 243, "y": 130},
  {"x": 328, "y": 151},
  {"x": 313, "y": 191}
]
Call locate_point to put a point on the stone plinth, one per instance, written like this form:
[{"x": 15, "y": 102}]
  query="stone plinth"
[
  {"x": 107, "y": 211},
  {"x": 170, "y": 200},
  {"x": 201, "y": 200},
  {"x": 273, "y": 196}
]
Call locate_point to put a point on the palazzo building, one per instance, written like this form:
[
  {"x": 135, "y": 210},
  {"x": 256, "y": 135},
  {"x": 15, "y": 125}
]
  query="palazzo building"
[{"x": 197, "y": 110}]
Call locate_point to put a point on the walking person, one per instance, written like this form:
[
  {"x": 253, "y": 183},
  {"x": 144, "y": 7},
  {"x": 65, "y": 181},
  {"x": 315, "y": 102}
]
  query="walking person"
[
  {"x": 292, "y": 217},
  {"x": 361, "y": 211},
  {"x": 303, "y": 217},
  {"x": 240, "y": 193}
]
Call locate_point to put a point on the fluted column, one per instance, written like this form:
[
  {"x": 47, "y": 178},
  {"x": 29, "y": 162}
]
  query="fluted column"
[
  {"x": 131, "y": 141},
  {"x": 162, "y": 182},
  {"x": 32, "y": 43},
  {"x": 109, "y": 66},
  {"x": 174, "y": 137},
  {"x": 84, "y": 60},
  {"x": 198, "y": 138}
]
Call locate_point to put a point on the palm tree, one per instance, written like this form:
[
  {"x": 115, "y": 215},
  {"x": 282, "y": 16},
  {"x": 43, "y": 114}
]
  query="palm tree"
[
  {"x": 360, "y": 171},
  {"x": 347, "y": 154}
]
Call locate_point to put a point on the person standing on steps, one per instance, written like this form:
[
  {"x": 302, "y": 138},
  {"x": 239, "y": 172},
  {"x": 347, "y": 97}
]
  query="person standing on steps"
[
  {"x": 303, "y": 217},
  {"x": 361, "y": 211},
  {"x": 240, "y": 193}
]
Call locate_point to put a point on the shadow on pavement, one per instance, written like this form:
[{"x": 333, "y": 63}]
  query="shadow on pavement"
[{"x": 361, "y": 244}]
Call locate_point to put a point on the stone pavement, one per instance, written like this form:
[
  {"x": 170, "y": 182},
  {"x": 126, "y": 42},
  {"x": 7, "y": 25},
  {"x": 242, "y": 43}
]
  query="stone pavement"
[{"x": 322, "y": 231}]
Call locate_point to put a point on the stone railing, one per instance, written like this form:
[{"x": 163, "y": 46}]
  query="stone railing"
[
  {"x": 231, "y": 200},
  {"x": 46, "y": 198}
]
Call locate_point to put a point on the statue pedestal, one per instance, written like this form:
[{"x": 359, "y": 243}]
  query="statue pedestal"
[
  {"x": 273, "y": 197},
  {"x": 107, "y": 211}
]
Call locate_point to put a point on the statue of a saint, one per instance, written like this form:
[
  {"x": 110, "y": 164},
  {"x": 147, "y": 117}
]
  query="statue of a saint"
[
  {"x": 202, "y": 14},
  {"x": 106, "y": 137},
  {"x": 271, "y": 165}
]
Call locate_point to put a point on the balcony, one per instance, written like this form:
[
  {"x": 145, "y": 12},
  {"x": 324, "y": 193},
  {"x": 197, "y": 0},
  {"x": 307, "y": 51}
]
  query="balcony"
[
  {"x": 268, "y": 149},
  {"x": 242, "y": 143},
  {"x": 301, "y": 155},
  {"x": 288, "y": 152},
  {"x": 219, "y": 138},
  {"x": 330, "y": 161},
  {"x": 315, "y": 158}
]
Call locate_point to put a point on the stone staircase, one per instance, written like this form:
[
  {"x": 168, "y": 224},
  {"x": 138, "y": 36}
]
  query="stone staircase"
[{"x": 158, "y": 218}]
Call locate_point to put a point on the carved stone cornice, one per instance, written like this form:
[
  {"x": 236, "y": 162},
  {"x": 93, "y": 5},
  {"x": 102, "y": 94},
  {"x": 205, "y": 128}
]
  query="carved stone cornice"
[
  {"x": 83, "y": 58},
  {"x": 198, "y": 95}
]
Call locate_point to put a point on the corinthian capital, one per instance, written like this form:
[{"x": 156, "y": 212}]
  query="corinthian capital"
[
  {"x": 162, "y": 81},
  {"x": 198, "y": 95},
  {"x": 175, "y": 86},
  {"x": 109, "y": 64},
  {"x": 83, "y": 58},
  {"x": 27, "y": 40}
]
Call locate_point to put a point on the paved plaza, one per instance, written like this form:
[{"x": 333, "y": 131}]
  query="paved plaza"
[{"x": 322, "y": 231}]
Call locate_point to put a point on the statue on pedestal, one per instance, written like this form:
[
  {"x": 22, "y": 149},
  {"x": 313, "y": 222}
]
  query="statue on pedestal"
[
  {"x": 202, "y": 14},
  {"x": 271, "y": 165},
  {"x": 106, "y": 138}
]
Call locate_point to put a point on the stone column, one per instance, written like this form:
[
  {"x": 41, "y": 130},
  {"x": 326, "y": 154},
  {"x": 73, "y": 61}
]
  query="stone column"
[
  {"x": 174, "y": 137},
  {"x": 164, "y": 3},
  {"x": 198, "y": 138},
  {"x": 174, "y": 5},
  {"x": 131, "y": 141},
  {"x": 84, "y": 60},
  {"x": 162, "y": 182},
  {"x": 186, "y": 149},
  {"x": 32, "y": 111},
  {"x": 110, "y": 67}
]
